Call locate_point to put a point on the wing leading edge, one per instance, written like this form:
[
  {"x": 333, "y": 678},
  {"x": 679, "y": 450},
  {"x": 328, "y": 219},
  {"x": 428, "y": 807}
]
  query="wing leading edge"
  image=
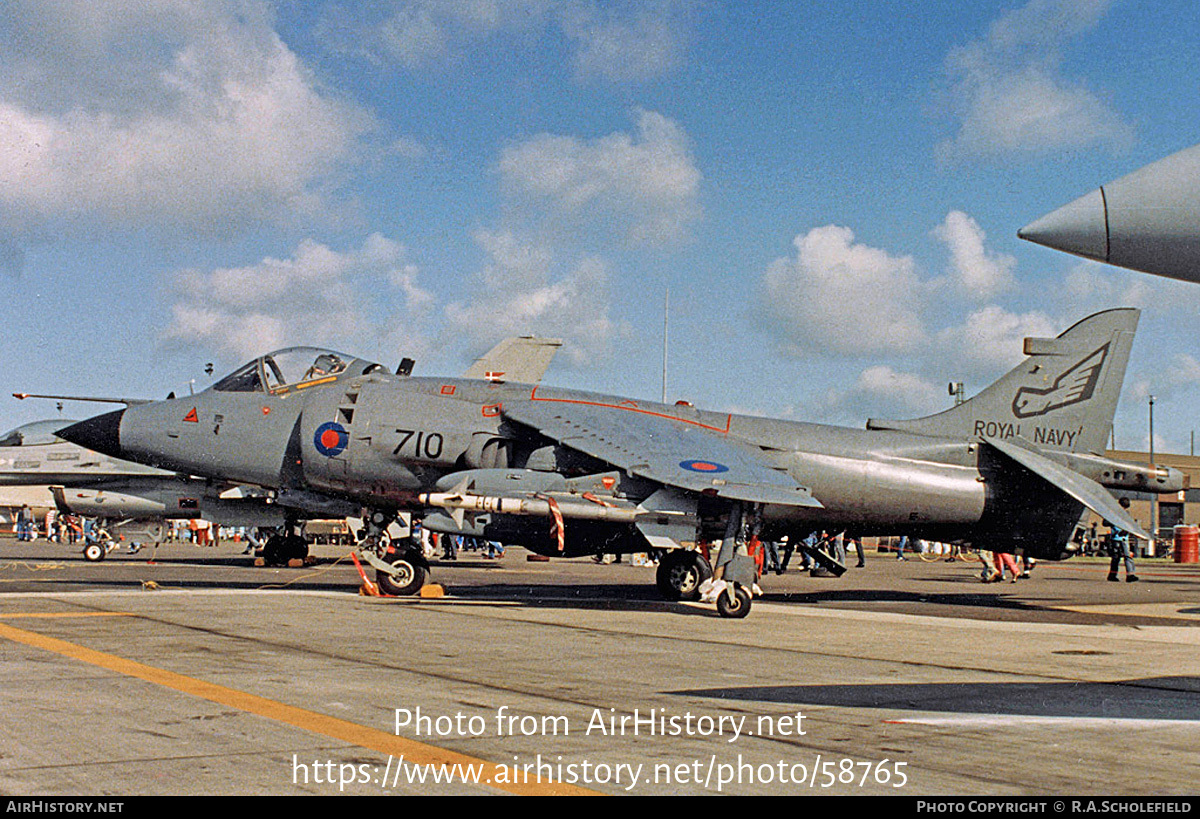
[{"x": 669, "y": 451}]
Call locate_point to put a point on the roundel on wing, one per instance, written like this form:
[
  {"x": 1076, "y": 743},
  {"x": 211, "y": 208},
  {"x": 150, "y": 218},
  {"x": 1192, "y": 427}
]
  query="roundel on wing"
[
  {"x": 331, "y": 439},
  {"x": 710, "y": 467}
]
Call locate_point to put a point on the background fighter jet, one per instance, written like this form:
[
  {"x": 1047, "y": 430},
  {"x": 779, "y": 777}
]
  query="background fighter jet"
[
  {"x": 1148, "y": 220},
  {"x": 83, "y": 482},
  {"x": 574, "y": 473}
]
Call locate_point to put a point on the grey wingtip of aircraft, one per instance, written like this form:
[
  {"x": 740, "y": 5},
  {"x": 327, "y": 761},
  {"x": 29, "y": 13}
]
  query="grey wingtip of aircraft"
[
  {"x": 1148, "y": 220},
  {"x": 570, "y": 473}
]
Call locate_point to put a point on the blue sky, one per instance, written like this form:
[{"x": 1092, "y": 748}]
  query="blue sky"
[{"x": 830, "y": 191}]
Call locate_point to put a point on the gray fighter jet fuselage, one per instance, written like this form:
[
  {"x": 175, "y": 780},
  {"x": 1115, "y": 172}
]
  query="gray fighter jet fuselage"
[
  {"x": 568, "y": 473},
  {"x": 81, "y": 481}
]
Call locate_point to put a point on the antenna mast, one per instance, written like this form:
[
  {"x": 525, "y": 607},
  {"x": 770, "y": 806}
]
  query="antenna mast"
[{"x": 666, "y": 309}]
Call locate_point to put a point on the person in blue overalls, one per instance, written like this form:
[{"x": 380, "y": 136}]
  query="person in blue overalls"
[{"x": 1118, "y": 550}]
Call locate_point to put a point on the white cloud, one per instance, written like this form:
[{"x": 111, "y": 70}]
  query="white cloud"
[
  {"x": 617, "y": 41},
  {"x": 901, "y": 392},
  {"x": 1092, "y": 286},
  {"x": 647, "y": 184},
  {"x": 841, "y": 297},
  {"x": 1010, "y": 93},
  {"x": 976, "y": 272},
  {"x": 877, "y": 392},
  {"x": 318, "y": 296},
  {"x": 408, "y": 148},
  {"x": 1185, "y": 369},
  {"x": 519, "y": 294},
  {"x": 418, "y": 33},
  {"x": 991, "y": 341},
  {"x": 413, "y": 35},
  {"x": 1181, "y": 376},
  {"x": 159, "y": 113},
  {"x": 623, "y": 43}
]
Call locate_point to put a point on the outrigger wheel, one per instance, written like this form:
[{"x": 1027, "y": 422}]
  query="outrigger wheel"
[
  {"x": 680, "y": 573},
  {"x": 736, "y": 604}
]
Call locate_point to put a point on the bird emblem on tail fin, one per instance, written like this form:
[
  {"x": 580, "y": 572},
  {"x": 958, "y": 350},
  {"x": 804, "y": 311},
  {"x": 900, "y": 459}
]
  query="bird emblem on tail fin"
[{"x": 1076, "y": 385}]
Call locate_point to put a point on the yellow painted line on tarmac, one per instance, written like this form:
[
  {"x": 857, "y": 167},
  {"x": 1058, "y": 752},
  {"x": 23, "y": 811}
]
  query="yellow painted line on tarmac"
[
  {"x": 52, "y": 614},
  {"x": 414, "y": 753}
]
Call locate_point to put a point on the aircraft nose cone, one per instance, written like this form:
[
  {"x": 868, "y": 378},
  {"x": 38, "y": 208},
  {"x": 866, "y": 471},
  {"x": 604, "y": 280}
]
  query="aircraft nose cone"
[
  {"x": 1080, "y": 227},
  {"x": 101, "y": 434}
]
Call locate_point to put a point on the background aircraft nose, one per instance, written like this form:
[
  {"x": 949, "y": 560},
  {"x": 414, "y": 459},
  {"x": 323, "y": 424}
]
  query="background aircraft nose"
[
  {"x": 1080, "y": 227},
  {"x": 102, "y": 433}
]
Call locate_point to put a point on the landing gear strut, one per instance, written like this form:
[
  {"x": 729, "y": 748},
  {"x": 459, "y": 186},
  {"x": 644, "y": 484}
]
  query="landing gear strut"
[{"x": 400, "y": 566}]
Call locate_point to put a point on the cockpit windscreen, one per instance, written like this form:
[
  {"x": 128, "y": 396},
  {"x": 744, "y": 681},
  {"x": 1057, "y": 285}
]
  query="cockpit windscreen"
[
  {"x": 35, "y": 434},
  {"x": 285, "y": 368}
]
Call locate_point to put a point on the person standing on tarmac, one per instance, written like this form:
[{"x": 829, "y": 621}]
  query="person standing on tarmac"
[
  {"x": 1118, "y": 551},
  {"x": 25, "y": 523},
  {"x": 858, "y": 548},
  {"x": 771, "y": 562}
]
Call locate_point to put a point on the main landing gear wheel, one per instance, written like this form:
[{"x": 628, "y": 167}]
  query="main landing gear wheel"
[
  {"x": 94, "y": 552},
  {"x": 279, "y": 549},
  {"x": 680, "y": 573},
  {"x": 409, "y": 578},
  {"x": 737, "y": 606}
]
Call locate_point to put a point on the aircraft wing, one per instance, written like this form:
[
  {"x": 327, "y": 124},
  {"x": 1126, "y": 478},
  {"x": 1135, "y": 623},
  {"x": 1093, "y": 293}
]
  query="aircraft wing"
[
  {"x": 1080, "y": 487},
  {"x": 522, "y": 359},
  {"x": 669, "y": 451}
]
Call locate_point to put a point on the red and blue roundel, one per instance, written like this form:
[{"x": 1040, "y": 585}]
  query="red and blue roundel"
[
  {"x": 710, "y": 467},
  {"x": 331, "y": 439}
]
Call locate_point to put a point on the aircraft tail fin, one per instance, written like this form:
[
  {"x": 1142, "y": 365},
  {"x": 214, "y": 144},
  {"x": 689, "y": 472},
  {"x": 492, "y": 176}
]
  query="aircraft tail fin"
[
  {"x": 523, "y": 359},
  {"x": 1062, "y": 396}
]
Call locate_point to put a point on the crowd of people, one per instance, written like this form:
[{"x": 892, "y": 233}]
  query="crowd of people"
[
  {"x": 56, "y": 528},
  {"x": 997, "y": 567},
  {"x": 770, "y": 556}
]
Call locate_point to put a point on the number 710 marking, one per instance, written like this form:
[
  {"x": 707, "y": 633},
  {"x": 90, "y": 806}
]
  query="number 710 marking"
[{"x": 428, "y": 445}]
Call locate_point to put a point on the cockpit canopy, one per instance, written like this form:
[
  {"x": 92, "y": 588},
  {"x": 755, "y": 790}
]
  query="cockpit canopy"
[
  {"x": 291, "y": 367},
  {"x": 36, "y": 433}
]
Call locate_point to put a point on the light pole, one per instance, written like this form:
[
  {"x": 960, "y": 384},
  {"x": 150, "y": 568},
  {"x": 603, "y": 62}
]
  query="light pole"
[
  {"x": 666, "y": 313},
  {"x": 1153, "y": 496}
]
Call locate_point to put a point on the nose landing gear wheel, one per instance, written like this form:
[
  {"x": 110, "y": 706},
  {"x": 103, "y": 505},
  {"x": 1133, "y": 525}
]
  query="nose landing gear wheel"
[{"x": 409, "y": 578}]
